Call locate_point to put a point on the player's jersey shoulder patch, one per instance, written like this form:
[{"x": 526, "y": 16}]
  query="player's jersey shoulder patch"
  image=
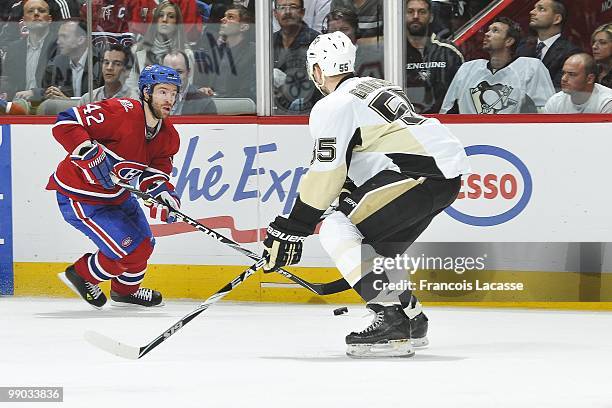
[{"x": 127, "y": 104}]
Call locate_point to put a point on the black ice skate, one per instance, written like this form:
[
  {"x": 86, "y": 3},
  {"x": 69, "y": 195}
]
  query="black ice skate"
[
  {"x": 387, "y": 336},
  {"x": 90, "y": 292},
  {"x": 418, "y": 330},
  {"x": 143, "y": 297}
]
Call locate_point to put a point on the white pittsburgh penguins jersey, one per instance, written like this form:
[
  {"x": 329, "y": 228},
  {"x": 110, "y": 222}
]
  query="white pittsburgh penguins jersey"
[
  {"x": 522, "y": 83},
  {"x": 367, "y": 125}
]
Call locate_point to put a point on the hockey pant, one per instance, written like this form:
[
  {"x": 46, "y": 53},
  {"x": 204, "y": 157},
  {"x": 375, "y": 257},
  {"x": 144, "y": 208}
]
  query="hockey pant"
[
  {"x": 378, "y": 221},
  {"x": 123, "y": 237}
]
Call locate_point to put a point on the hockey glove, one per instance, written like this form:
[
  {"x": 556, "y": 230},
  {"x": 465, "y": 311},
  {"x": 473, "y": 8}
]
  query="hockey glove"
[
  {"x": 284, "y": 242},
  {"x": 163, "y": 191},
  {"x": 347, "y": 189},
  {"x": 96, "y": 166}
]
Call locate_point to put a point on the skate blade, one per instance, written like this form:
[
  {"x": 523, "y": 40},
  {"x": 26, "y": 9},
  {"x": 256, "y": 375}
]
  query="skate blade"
[
  {"x": 63, "y": 278},
  {"x": 393, "y": 348},
  {"x": 124, "y": 305},
  {"x": 420, "y": 343}
]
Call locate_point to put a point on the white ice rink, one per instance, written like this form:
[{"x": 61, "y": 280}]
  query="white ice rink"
[{"x": 285, "y": 356}]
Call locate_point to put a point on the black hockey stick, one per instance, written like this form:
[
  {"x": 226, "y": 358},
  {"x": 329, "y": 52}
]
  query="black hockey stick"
[
  {"x": 321, "y": 289},
  {"x": 134, "y": 353}
]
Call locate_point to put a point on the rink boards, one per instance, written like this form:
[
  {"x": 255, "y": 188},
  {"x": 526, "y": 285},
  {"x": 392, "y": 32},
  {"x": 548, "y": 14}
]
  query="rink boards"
[{"x": 534, "y": 210}]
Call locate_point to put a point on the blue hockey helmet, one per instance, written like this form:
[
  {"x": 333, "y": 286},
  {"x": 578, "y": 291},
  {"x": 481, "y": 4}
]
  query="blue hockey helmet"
[{"x": 157, "y": 74}]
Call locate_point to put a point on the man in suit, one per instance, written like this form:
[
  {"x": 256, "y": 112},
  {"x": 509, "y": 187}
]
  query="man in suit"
[
  {"x": 547, "y": 19},
  {"x": 27, "y": 58},
  {"x": 67, "y": 76}
]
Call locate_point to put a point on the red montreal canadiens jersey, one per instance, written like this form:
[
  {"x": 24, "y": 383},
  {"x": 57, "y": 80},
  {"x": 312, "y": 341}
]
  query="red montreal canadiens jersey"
[
  {"x": 109, "y": 16},
  {"x": 119, "y": 126}
]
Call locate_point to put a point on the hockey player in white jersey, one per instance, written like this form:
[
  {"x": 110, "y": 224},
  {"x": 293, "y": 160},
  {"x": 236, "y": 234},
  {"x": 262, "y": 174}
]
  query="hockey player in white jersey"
[
  {"x": 406, "y": 169},
  {"x": 503, "y": 83}
]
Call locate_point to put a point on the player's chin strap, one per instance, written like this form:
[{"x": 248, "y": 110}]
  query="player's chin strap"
[
  {"x": 321, "y": 289},
  {"x": 316, "y": 84},
  {"x": 149, "y": 101}
]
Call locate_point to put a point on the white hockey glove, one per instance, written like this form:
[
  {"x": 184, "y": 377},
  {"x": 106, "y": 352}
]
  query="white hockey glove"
[{"x": 284, "y": 242}]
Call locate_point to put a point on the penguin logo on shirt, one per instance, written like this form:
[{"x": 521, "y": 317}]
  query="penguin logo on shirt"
[{"x": 491, "y": 99}]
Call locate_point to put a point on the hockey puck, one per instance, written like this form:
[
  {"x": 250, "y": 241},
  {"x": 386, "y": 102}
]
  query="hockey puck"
[{"x": 340, "y": 311}]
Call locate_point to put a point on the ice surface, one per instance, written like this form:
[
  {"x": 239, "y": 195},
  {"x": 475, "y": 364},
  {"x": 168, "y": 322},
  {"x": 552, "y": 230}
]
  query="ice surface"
[{"x": 271, "y": 355}]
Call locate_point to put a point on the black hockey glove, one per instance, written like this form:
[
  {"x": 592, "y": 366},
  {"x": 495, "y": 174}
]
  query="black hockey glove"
[
  {"x": 347, "y": 189},
  {"x": 284, "y": 242}
]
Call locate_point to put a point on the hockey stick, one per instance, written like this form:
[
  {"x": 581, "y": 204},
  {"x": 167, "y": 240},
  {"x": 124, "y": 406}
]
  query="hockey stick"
[
  {"x": 134, "y": 353},
  {"x": 320, "y": 289}
]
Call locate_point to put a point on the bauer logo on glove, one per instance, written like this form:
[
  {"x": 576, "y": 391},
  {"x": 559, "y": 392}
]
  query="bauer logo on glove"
[
  {"x": 284, "y": 243},
  {"x": 285, "y": 237}
]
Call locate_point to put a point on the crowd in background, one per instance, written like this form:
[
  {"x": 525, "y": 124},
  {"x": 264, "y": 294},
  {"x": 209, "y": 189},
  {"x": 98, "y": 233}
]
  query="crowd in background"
[{"x": 211, "y": 43}]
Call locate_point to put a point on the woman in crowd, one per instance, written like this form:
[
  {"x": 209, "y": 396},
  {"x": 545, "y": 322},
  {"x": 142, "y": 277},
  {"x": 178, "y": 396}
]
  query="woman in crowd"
[
  {"x": 601, "y": 41},
  {"x": 165, "y": 34}
]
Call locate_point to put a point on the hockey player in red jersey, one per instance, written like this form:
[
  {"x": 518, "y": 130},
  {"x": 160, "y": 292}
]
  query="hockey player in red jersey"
[{"x": 124, "y": 140}]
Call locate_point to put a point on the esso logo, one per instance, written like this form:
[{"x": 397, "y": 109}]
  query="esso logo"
[
  {"x": 489, "y": 186},
  {"x": 497, "y": 191}
]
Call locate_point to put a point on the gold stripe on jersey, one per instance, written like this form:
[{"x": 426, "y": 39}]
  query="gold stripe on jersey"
[
  {"x": 389, "y": 138},
  {"x": 349, "y": 254},
  {"x": 376, "y": 199},
  {"x": 355, "y": 275},
  {"x": 319, "y": 189}
]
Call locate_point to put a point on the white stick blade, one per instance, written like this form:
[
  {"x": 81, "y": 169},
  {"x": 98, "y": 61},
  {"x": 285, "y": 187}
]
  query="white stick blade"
[{"x": 111, "y": 346}]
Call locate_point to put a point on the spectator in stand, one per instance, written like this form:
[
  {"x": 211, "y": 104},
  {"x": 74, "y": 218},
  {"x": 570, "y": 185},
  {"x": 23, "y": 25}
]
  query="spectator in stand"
[
  {"x": 431, "y": 64},
  {"x": 110, "y": 22},
  {"x": 142, "y": 15},
  {"x": 601, "y": 41},
  {"x": 294, "y": 92},
  {"x": 370, "y": 13},
  {"x": 67, "y": 76},
  {"x": 548, "y": 18},
  {"x": 369, "y": 58},
  {"x": 190, "y": 100},
  {"x": 111, "y": 16},
  {"x": 226, "y": 65},
  {"x": 116, "y": 64},
  {"x": 27, "y": 58},
  {"x": 579, "y": 92},
  {"x": 14, "y": 29},
  {"x": 164, "y": 35},
  {"x": 503, "y": 83},
  {"x": 314, "y": 14}
]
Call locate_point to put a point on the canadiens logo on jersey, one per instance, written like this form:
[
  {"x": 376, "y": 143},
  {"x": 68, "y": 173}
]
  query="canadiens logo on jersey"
[
  {"x": 127, "y": 170},
  {"x": 491, "y": 99},
  {"x": 126, "y": 242}
]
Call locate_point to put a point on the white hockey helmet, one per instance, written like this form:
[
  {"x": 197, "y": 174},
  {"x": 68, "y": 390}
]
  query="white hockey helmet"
[{"x": 333, "y": 52}]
